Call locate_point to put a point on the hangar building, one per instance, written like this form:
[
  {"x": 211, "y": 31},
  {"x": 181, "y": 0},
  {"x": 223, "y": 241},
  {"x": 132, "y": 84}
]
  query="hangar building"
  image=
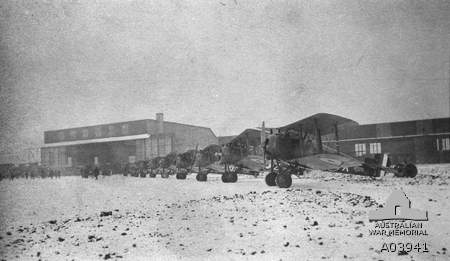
[
  {"x": 419, "y": 141},
  {"x": 119, "y": 143}
]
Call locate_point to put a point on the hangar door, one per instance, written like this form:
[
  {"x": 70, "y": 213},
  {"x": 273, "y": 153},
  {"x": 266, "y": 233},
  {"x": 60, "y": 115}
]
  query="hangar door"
[{"x": 161, "y": 145}]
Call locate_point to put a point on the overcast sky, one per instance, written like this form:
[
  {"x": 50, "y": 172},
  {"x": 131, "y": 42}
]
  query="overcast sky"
[{"x": 226, "y": 64}]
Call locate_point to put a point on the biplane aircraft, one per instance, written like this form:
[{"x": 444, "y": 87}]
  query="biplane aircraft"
[
  {"x": 185, "y": 163},
  {"x": 243, "y": 154},
  {"x": 298, "y": 146}
]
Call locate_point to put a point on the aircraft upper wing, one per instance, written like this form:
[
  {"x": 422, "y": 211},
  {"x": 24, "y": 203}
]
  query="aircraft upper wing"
[
  {"x": 324, "y": 121},
  {"x": 328, "y": 162},
  {"x": 253, "y": 136}
]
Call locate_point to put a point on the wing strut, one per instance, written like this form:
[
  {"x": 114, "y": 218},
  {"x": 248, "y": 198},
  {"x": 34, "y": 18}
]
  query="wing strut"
[
  {"x": 263, "y": 141},
  {"x": 301, "y": 141},
  {"x": 318, "y": 136},
  {"x": 336, "y": 133}
]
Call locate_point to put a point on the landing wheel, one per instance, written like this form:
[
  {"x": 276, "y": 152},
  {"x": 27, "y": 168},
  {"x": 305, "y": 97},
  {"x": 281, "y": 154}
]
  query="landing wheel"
[
  {"x": 399, "y": 171},
  {"x": 165, "y": 175},
  {"x": 283, "y": 180},
  {"x": 201, "y": 177},
  {"x": 225, "y": 178},
  {"x": 270, "y": 179},
  {"x": 410, "y": 171},
  {"x": 399, "y": 174},
  {"x": 152, "y": 175},
  {"x": 233, "y": 177},
  {"x": 181, "y": 175}
]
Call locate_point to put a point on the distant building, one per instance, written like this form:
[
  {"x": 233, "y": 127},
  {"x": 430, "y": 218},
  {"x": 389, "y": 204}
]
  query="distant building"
[
  {"x": 121, "y": 142},
  {"x": 225, "y": 139},
  {"x": 25, "y": 156},
  {"x": 419, "y": 141}
]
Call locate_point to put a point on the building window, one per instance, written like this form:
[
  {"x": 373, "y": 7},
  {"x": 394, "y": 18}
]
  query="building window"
[
  {"x": 375, "y": 148},
  {"x": 131, "y": 159},
  {"x": 161, "y": 146},
  {"x": 73, "y": 134},
  {"x": 69, "y": 161},
  {"x": 51, "y": 158},
  {"x": 96, "y": 160},
  {"x": 111, "y": 130},
  {"x": 168, "y": 144},
  {"x": 98, "y": 132},
  {"x": 61, "y": 135},
  {"x": 125, "y": 129},
  {"x": 445, "y": 144},
  {"x": 360, "y": 149},
  {"x": 85, "y": 133}
]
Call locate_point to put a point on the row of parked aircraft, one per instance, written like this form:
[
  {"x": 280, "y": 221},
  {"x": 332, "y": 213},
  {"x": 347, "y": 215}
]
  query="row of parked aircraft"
[{"x": 283, "y": 152}]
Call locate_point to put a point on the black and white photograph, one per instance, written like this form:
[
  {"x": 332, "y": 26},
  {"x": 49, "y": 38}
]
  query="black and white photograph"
[{"x": 224, "y": 130}]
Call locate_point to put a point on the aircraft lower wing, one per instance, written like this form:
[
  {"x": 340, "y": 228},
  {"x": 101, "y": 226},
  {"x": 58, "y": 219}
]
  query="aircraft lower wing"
[
  {"x": 215, "y": 167},
  {"x": 330, "y": 162},
  {"x": 252, "y": 162}
]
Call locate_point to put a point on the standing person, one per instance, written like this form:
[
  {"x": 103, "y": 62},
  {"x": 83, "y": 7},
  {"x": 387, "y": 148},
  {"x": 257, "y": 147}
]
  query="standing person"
[{"x": 96, "y": 172}]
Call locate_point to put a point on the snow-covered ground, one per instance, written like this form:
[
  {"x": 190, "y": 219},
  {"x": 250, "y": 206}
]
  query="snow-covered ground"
[{"x": 322, "y": 216}]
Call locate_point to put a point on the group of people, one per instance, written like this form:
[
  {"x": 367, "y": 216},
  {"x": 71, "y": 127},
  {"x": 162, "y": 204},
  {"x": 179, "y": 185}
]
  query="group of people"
[
  {"x": 33, "y": 171},
  {"x": 94, "y": 171}
]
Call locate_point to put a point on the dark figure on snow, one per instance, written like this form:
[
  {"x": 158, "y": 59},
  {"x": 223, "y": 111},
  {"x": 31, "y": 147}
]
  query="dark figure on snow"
[{"x": 96, "y": 172}]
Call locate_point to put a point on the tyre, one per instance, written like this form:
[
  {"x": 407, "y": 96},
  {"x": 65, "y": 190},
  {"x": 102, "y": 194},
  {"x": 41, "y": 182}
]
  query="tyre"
[
  {"x": 400, "y": 171},
  {"x": 165, "y": 175},
  {"x": 270, "y": 179},
  {"x": 201, "y": 177},
  {"x": 410, "y": 170},
  {"x": 181, "y": 176},
  {"x": 283, "y": 180},
  {"x": 225, "y": 178},
  {"x": 233, "y": 177}
]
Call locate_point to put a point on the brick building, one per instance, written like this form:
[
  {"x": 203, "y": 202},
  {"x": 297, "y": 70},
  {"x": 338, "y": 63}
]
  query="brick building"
[
  {"x": 121, "y": 142},
  {"x": 420, "y": 141}
]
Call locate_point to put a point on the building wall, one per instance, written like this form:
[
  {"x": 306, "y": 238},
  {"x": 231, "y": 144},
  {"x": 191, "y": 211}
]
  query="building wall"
[
  {"x": 84, "y": 154},
  {"x": 97, "y": 132},
  {"x": 412, "y": 141},
  {"x": 165, "y": 137},
  {"x": 225, "y": 139},
  {"x": 187, "y": 137},
  {"x": 25, "y": 156}
]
